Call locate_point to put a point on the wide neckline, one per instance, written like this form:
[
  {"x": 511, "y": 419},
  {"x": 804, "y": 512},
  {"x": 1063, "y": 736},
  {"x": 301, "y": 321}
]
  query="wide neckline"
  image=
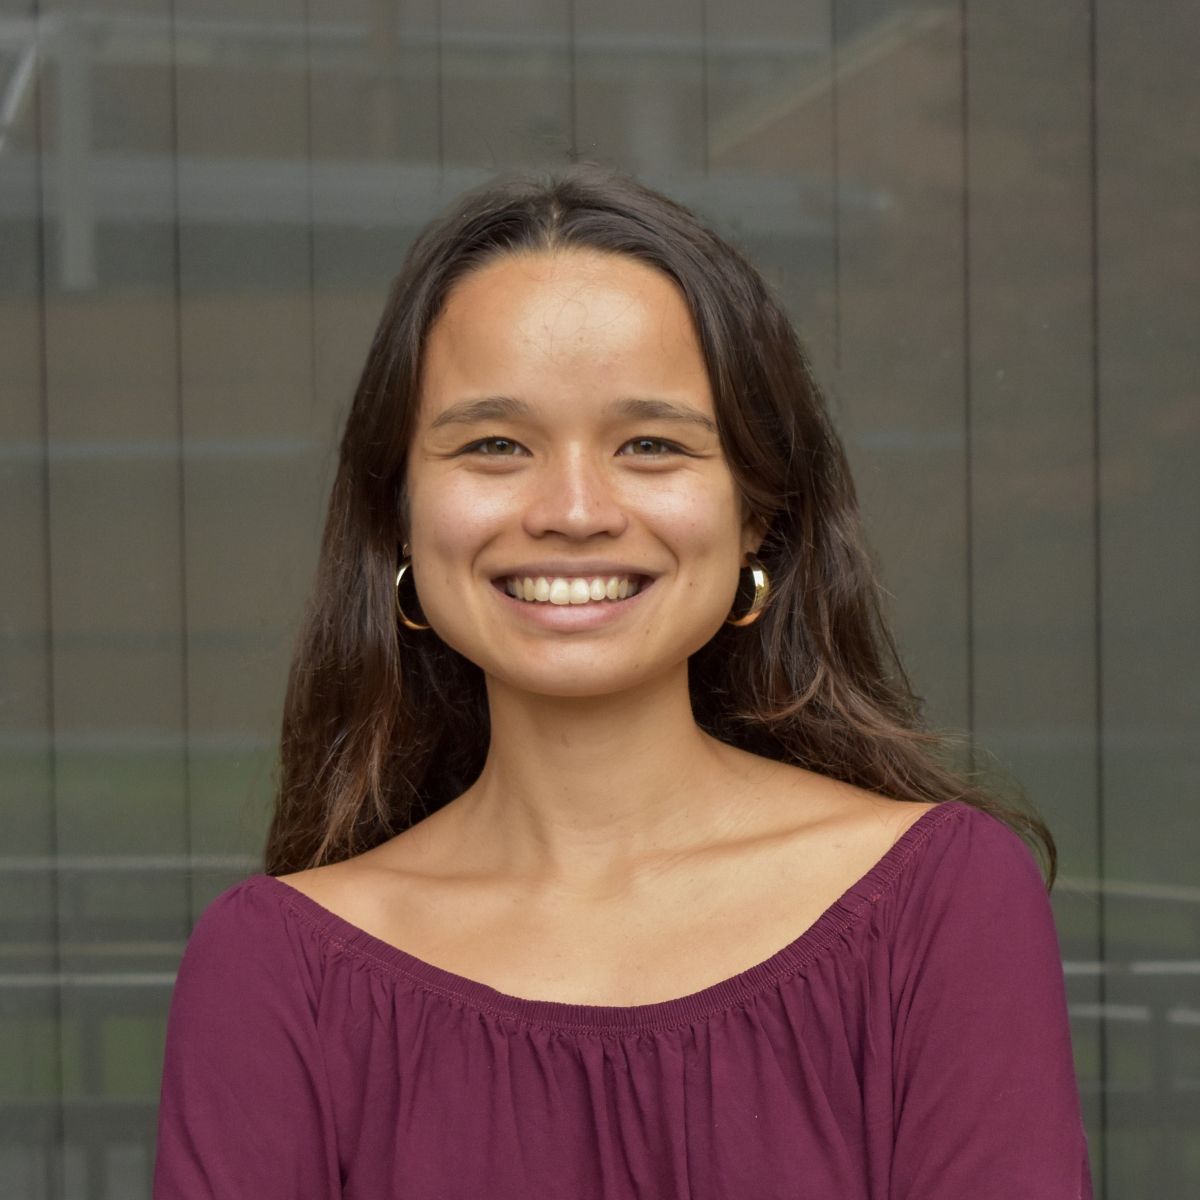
[{"x": 658, "y": 1015}]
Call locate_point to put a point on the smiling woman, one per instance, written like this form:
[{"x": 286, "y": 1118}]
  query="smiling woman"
[{"x": 611, "y": 857}]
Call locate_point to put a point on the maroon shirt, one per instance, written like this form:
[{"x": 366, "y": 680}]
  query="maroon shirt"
[{"x": 911, "y": 1044}]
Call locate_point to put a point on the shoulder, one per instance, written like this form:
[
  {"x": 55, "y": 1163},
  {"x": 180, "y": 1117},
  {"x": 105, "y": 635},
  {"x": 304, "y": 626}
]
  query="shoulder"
[
  {"x": 246, "y": 939},
  {"x": 970, "y": 881},
  {"x": 850, "y": 822},
  {"x": 369, "y": 887},
  {"x": 955, "y": 848},
  {"x": 944, "y": 846},
  {"x": 843, "y": 833},
  {"x": 355, "y": 889},
  {"x": 240, "y": 911},
  {"x": 972, "y": 846},
  {"x": 821, "y": 801},
  {"x": 241, "y": 1025}
]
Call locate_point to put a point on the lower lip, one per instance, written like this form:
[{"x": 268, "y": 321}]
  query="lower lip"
[{"x": 572, "y": 616}]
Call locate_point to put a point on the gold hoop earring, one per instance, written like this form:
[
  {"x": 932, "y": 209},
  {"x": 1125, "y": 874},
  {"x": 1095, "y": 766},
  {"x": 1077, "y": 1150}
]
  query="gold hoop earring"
[
  {"x": 761, "y": 589},
  {"x": 400, "y": 575}
]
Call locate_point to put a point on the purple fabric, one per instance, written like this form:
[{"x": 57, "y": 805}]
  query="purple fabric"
[{"x": 912, "y": 1044}]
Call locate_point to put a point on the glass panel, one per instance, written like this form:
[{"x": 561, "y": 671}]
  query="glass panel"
[{"x": 979, "y": 217}]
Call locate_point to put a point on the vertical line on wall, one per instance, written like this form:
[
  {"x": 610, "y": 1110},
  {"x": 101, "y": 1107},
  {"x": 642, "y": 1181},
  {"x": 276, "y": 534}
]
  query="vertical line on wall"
[
  {"x": 968, "y": 429},
  {"x": 835, "y": 138},
  {"x": 704, "y": 82},
  {"x": 1097, "y": 567},
  {"x": 572, "y": 77},
  {"x": 439, "y": 101},
  {"x": 181, "y": 458},
  {"x": 56, "y": 1185},
  {"x": 311, "y": 204}
]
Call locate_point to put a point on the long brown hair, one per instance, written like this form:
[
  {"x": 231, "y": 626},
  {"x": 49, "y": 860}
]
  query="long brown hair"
[{"x": 383, "y": 724}]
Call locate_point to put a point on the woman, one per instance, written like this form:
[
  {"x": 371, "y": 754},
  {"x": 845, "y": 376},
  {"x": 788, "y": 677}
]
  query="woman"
[{"x": 622, "y": 721}]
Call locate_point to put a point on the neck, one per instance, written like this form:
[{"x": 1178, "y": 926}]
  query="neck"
[{"x": 585, "y": 794}]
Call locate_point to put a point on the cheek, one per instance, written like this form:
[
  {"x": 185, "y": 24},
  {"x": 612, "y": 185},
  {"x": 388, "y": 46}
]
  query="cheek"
[
  {"x": 455, "y": 515},
  {"x": 696, "y": 517}
]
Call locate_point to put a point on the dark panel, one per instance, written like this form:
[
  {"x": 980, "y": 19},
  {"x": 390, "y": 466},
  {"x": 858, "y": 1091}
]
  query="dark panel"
[
  {"x": 377, "y": 175},
  {"x": 30, "y": 1023},
  {"x": 1148, "y": 111},
  {"x": 1033, "y": 441},
  {"x": 250, "y": 429},
  {"x": 505, "y": 82},
  {"x": 901, "y": 322},
  {"x": 639, "y": 96},
  {"x": 769, "y": 148},
  {"x": 114, "y": 589}
]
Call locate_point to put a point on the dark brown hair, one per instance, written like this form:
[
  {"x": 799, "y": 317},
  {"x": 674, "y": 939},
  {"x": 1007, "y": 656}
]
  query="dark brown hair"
[{"x": 383, "y": 724}]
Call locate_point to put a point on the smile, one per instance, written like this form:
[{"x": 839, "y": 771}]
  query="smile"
[
  {"x": 545, "y": 589},
  {"x": 552, "y": 611}
]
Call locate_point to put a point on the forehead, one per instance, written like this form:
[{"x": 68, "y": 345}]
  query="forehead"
[{"x": 568, "y": 322}]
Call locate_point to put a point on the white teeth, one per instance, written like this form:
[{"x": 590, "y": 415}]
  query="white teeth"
[{"x": 560, "y": 590}]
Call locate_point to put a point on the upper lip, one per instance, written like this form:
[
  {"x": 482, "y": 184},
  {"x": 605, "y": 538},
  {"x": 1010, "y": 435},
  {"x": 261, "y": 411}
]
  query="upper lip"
[{"x": 585, "y": 567}]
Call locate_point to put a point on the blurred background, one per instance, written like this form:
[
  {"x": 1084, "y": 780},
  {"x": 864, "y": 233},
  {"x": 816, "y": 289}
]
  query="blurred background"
[{"x": 983, "y": 219}]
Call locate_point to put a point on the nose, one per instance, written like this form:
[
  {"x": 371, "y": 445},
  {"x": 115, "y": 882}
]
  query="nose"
[{"x": 576, "y": 494}]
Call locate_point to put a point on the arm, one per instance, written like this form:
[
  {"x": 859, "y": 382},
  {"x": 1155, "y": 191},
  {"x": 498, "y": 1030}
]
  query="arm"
[
  {"x": 986, "y": 1099},
  {"x": 244, "y": 1108}
]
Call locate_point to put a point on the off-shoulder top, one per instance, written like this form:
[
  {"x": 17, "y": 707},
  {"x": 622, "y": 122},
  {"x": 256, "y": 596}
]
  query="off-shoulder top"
[{"x": 910, "y": 1044}]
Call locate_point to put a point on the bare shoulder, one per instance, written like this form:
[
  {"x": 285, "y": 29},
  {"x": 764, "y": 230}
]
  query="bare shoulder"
[
  {"x": 839, "y": 814},
  {"x": 362, "y": 889},
  {"x": 900, "y": 815},
  {"x": 313, "y": 881},
  {"x": 326, "y": 885},
  {"x": 345, "y": 888}
]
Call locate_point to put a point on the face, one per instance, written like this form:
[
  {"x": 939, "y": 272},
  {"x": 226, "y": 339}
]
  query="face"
[{"x": 566, "y": 478}]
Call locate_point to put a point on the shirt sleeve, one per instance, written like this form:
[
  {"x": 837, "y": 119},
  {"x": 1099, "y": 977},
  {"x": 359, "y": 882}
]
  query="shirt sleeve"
[
  {"x": 986, "y": 1100},
  {"x": 244, "y": 1108}
]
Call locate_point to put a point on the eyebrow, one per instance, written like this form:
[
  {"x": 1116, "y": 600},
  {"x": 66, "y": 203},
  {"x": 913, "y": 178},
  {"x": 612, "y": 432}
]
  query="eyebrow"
[{"x": 489, "y": 408}]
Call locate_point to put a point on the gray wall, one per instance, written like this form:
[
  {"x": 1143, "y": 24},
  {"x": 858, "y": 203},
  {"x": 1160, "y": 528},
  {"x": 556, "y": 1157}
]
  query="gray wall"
[{"x": 983, "y": 217}]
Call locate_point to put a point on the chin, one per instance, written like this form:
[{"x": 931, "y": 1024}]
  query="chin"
[{"x": 572, "y": 682}]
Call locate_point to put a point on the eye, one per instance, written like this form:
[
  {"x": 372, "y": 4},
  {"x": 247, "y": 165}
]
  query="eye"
[
  {"x": 671, "y": 447},
  {"x": 488, "y": 442},
  {"x": 474, "y": 447}
]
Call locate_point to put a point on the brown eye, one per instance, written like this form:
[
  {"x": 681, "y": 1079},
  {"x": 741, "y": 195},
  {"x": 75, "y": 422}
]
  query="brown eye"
[
  {"x": 671, "y": 448},
  {"x": 490, "y": 442},
  {"x": 668, "y": 448}
]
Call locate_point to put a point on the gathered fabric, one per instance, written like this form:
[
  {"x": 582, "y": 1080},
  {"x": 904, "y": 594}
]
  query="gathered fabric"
[{"x": 911, "y": 1044}]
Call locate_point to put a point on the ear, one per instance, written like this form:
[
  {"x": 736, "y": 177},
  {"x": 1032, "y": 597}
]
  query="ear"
[{"x": 754, "y": 532}]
